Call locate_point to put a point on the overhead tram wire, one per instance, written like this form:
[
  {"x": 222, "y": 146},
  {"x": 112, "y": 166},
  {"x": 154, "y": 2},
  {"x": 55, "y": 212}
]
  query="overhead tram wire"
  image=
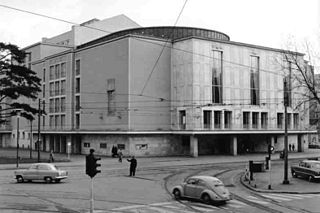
[
  {"x": 178, "y": 49},
  {"x": 163, "y": 47}
]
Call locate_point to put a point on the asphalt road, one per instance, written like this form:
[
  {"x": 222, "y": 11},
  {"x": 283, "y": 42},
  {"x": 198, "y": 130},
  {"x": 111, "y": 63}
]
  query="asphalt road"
[{"x": 149, "y": 191}]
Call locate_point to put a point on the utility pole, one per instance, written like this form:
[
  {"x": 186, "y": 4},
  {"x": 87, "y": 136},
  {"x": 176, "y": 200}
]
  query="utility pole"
[
  {"x": 18, "y": 135},
  {"x": 31, "y": 138},
  {"x": 286, "y": 103},
  {"x": 39, "y": 117}
]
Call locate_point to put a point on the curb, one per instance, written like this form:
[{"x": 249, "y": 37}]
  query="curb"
[{"x": 271, "y": 191}]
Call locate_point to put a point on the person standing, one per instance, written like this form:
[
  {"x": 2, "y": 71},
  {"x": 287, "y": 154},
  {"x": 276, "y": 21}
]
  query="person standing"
[
  {"x": 120, "y": 155},
  {"x": 289, "y": 147},
  {"x": 133, "y": 165},
  {"x": 293, "y": 147},
  {"x": 51, "y": 157}
]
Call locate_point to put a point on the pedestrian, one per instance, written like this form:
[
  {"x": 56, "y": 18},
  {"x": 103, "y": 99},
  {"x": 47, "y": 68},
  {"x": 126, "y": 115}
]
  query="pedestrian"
[
  {"x": 133, "y": 166},
  {"x": 51, "y": 157},
  {"x": 289, "y": 147},
  {"x": 114, "y": 151},
  {"x": 293, "y": 147},
  {"x": 120, "y": 155}
]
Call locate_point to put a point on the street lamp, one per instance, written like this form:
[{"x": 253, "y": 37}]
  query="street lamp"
[{"x": 18, "y": 111}]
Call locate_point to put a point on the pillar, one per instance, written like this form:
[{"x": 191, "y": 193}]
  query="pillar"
[
  {"x": 193, "y": 146},
  {"x": 234, "y": 145}
]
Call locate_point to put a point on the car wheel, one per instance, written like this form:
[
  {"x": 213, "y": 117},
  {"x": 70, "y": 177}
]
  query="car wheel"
[
  {"x": 177, "y": 194},
  {"x": 57, "y": 180},
  {"x": 48, "y": 179},
  {"x": 206, "y": 198},
  {"x": 20, "y": 179}
]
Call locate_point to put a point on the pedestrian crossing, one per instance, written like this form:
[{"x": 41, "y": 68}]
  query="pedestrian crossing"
[
  {"x": 186, "y": 206},
  {"x": 183, "y": 206}
]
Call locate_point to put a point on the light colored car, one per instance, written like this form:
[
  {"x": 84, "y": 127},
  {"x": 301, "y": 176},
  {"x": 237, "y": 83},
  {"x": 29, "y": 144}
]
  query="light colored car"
[
  {"x": 205, "y": 188},
  {"x": 309, "y": 169},
  {"x": 40, "y": 171}
]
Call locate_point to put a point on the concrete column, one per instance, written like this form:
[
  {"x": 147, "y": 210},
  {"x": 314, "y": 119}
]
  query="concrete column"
[
  {"x": 272, "y": 143},
  {"x": 222, "y": 119},
  {"x": 234, "y": 145},
  {"x": 193, "y": 146},
  {"x": 69, "y": 140}
]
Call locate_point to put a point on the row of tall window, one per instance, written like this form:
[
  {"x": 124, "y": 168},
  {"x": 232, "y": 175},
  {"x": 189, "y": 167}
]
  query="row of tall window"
[
  {"x": 57, "y": 121},
  {"x": 57, "y": 105},
  {"x": 252, "y": 120},
  {"x": 57, "y": 71},
  {"x": 77, "y": 95},
  {"x": 217, "y": 79},
  {"x": 57, "y": 88}
]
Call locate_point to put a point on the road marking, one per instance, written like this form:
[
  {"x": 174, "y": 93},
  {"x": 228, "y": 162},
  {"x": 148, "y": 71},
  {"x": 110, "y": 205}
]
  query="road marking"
[
  {"x": 204, "y": 205},
  {"x": 256, "y": 200},
  {"x": 237, "y": 202},
  {"x": 159, "y": 209},
  {"x": 162, "y": 204},
  {"x": 288, "y": 196},
  {"x": 128, "y": 207},
  {"x": 276, "y": 197}
]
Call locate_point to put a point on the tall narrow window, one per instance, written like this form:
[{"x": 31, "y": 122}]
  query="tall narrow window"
[
  {"x": 51, "y": 121},
  {"x": 288, "y": 96},
  {"x": 289, "y": 120},
  {"x": 63, "y": 70},
  {"x": 217, "y": 119},
  {"x": 279, "y": 120},
  {"x": 207, "y": 119},
  {"x": 227, "y": 119},
  {"x": 217, "y": 77},
  {"x": 51, "y": 73},
  {"x": 51, "y": 85},
  {"x": 77, "y": 121},
  {"x": 255, "y": 119},
  {"x": 57, "y": 71},
  {"x": 63, "y": 121},
  {"x": 57, "y": 105},
  {"x": 63, "y": 104},
  {"x": 254, "y": 80},
  {"x": 77, "y": 103},
  {"x": 43, "y": 90},
  {"x": 111, "y": 89},
  {"x": 51, "y": 105},
  {"x": 182, "y": 119},
  {"x": 246, "y": 120},
  {"x": 264, "y": 120},
  {"x": 57, "y": 88},
  {"x": 296, "y": 120},
  {"x": 77, "y": 67},
  {"x": 57, "y": 121},
  {"x": 63, "y": 87},
  {"x": 77, "y": 85},
  {"x": 44, "y": 75}
]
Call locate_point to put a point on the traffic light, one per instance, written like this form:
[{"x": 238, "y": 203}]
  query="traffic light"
[{"x": 91, "y": 165}]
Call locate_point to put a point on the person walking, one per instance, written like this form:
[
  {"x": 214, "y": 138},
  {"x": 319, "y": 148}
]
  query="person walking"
[
  {"x": 51, "y": 157},
  {"x": 289, "y": 147},
  {"x": 120, "y": 155},
  {"x": 293, "y": 147},
  {"x": 133, "y": 166}
]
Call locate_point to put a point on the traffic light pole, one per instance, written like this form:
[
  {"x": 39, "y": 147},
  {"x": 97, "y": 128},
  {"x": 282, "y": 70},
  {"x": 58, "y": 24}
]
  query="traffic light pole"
[{"x": 91, "y": 199}]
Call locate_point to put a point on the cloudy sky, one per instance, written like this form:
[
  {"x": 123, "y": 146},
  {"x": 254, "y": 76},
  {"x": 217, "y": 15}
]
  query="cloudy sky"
[{"x": 262, "y": 22}]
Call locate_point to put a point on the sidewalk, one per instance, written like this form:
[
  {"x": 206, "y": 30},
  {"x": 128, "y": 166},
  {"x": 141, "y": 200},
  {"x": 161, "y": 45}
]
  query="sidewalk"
[{"x": 274, "y": 178}]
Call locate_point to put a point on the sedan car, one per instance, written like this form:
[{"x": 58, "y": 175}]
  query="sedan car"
[
  {"x": 205, "y": 188},
  {"x": 309, "y": 169},
  {"x": 40, "y": 171}
]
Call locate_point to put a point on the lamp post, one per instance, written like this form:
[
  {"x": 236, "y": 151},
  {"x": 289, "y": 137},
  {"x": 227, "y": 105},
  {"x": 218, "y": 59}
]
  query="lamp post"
[
  {"x": 39, "y": 134},
  {"x": 286, "y": 103},
  {"x": 18, "y": 135}
]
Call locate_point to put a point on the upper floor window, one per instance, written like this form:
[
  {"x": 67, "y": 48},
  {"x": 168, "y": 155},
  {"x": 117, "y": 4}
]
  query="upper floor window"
[
  {"x": 279, "y": 120},
  {"x": 63, "y": 104},
  {"x": 51, "y": 72},
  {"x": 264, "y": 120},
  {"x": 77, "y": 67},
  {"x": 254, "y": 80},
  {"x": 182, "y": 119},
  {"x": 207, "y": 119},
  {"x": 227, "y": 119},
  {"x": 44, "y": 75},
  {"x": 63, "y": 87},
  {"x": 295, "y": 120},
  {"x": 246, "y": 120},
  {"x": 287, "y": 86},
  {"x": 63, "y": 70},
  {"x": 217, "y": 119},
  {"x": 77, "y": 85},
  {"x": 217, "y": 77},
  {"x": 255, "y": 119},
  {"x": 111, "y": 89},
  {"x": 57, "y": 71}
]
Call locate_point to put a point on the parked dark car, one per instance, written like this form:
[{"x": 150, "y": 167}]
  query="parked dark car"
[{"x": 309, "y": 169}]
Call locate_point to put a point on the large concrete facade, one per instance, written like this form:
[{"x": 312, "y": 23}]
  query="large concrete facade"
[{"x": 149, "y": 91}]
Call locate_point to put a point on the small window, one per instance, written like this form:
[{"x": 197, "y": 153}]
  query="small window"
[
  {"x": 121, "y": 146},
  {"x": 141, "y": 146},
  {"x": 103, "y": 145},
  {"x": 86, "y": 145}
]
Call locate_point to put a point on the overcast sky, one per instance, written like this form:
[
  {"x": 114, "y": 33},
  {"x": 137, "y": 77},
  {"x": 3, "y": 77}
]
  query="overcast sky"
[{"x": 262, "y": 22}]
